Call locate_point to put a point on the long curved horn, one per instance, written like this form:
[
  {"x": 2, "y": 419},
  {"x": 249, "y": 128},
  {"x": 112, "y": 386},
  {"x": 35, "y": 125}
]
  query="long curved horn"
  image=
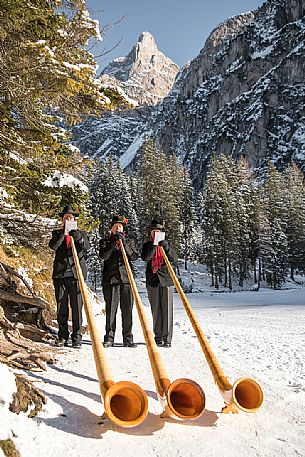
[
  {"x": 125, "y": 403},
  {"x": 183, "y": 398},
  {"x": 245, "y": 393}
]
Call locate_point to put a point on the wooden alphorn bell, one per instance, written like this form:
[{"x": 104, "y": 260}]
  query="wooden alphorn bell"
[
  {"x": 183, "y": 398},
  {"x": 125, "y": 403},
  {"x": 245, "y": 394}
]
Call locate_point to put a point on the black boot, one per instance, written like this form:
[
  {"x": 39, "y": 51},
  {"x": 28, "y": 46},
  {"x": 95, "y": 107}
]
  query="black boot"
[
  {"x": 159, "y": 343},
  {"x": 61, "y": 342},
  {"x": 108, "y": 344},
  {"x": 76, "y": 345},
  {"x": 129, "y": 344}
]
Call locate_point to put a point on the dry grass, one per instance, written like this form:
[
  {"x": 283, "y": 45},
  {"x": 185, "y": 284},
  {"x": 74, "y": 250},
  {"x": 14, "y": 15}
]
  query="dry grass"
[{"x": 8, "y": 448}]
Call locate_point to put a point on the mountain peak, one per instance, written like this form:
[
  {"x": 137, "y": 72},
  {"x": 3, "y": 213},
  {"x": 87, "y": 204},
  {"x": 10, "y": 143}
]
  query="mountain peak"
[
  {"x": 147, "y": 40},
  {"x": 145, "y": 74}
]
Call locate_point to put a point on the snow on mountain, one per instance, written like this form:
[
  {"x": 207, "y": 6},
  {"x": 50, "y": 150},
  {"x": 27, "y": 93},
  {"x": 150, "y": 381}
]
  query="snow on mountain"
[
  {"x": 112, "y": 134},
  {"x": 128, "y": 156},
  {"x": 145, "y": 75},
  {"x": 243, "y": 95}
]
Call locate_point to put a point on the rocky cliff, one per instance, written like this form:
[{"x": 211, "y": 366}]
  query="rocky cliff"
[{"x": 243, "y": 95}]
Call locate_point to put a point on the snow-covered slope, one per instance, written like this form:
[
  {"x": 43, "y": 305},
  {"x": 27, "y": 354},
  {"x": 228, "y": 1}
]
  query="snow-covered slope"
[{"x": 112, "y": 134}]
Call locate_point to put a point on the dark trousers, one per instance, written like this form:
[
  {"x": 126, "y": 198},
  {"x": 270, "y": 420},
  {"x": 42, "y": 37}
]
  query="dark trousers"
[
  {"x": 161, "y": 303},
  {"x": 113, "y": 295},
  {"x": 67, "y": 291}
]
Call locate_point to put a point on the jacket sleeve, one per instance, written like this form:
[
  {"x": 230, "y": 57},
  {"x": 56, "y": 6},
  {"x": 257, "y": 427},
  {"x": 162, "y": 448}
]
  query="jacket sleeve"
[
  {"x": 148, "y": 250},
  {"x": 106, "y": 249},
  {"x": 172, "y": 255},
  {"x": 82, "y": 242},
  {"x": 57, "y": 239},
  {"x": 131, "y": 250}
]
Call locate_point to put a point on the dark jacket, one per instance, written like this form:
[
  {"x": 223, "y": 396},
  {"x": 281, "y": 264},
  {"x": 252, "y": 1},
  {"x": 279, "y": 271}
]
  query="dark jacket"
[
  {"x": 64, "y": 258},
  {"x": 114, "y": 270},
  {"x": 162, "y": 275}
]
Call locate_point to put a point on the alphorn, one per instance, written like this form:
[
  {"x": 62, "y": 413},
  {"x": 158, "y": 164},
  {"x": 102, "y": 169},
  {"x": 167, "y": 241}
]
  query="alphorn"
[
  {"x": 125, "y": 403},
  {"x": 245, "y": 393},
  {"x": 181, "y": 399}
]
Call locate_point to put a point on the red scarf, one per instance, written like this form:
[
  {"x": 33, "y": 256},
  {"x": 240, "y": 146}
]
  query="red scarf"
[
  {"x": 67, "y": 238},
  {"x": 157, "y": 259}
]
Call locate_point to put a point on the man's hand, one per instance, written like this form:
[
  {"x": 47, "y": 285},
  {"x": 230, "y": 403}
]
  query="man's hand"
[
  {"x": 119, "y": 236},
  {"x": 76, "y": 235},
  {"x": 164, "y": 245}
]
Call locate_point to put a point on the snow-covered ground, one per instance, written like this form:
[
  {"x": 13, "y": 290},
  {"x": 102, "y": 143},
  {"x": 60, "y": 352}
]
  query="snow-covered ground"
[{"x": 256, "y": 334}]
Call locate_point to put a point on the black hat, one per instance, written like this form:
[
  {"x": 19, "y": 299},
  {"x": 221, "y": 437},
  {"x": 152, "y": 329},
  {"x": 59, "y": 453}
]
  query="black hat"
[
  {"x": 118, "y": 220},
  {"x": 157, "y": 224},
  {"x": 68, "y": 210}
]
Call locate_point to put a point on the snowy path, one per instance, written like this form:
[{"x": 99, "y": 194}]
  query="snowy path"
[{"x": 257, "y": 340}]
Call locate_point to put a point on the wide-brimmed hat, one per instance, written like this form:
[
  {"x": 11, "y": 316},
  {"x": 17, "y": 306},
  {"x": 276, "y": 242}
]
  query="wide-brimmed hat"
[
  {"x": 157, "y": 224},
  {"x": 119, "y": 220},
  {"x": 68, "y": 210}
]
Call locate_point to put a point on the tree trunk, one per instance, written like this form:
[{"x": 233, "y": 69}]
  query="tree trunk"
[
  {"x": 254, "y": 272},
  {"x": 291, "y": 272},
  {"x": 226, "y": 272},
  {"x": 185, "y": 264},
  {"x": 241, "y": 275},
  {"x": 263, "y": 271},
  {"x": 230, "y": 275}
]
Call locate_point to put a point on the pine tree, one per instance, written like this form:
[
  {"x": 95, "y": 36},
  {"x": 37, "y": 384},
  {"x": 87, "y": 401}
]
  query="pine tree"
[
  {"x": 226, "y": 204},
  {"x": 150, "y": 185},
  {"x": 243, "y": 205},
  {"x": 213, "y": 208},
  {"x": 255, "y": 233},
  {"x": 110, "y": 195},
  {"x": 94, "y": 262},
  {"x": 125, "y": 202},
  {"x": 191, "y": 237},
  {"x": 295, "y": 201},
  {"x": 48, "y": 80},
  {"x": 275, "y": 250},
  {"x": 173, "y": 194},
  {"x": 160, "y": 191}
]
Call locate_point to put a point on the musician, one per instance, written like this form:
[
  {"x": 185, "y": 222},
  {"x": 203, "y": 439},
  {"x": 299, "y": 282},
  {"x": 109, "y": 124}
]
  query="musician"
[
  {"x": 65, "y": 279},
  {"x": 116, "y": 286},
  {"x": 159, "y": 284}
]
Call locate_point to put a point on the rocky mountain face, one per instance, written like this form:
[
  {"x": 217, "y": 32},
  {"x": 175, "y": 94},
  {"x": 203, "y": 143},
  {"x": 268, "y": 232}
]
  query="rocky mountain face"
[
  {"x": 145, "y": 75},
  {"x": 113, "y": 134},
  {"x": 243, "y": 95}
]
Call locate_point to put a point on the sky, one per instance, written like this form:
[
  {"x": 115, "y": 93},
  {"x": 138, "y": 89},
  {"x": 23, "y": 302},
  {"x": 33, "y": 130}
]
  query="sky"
[{"x": 180, "y": 27}]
